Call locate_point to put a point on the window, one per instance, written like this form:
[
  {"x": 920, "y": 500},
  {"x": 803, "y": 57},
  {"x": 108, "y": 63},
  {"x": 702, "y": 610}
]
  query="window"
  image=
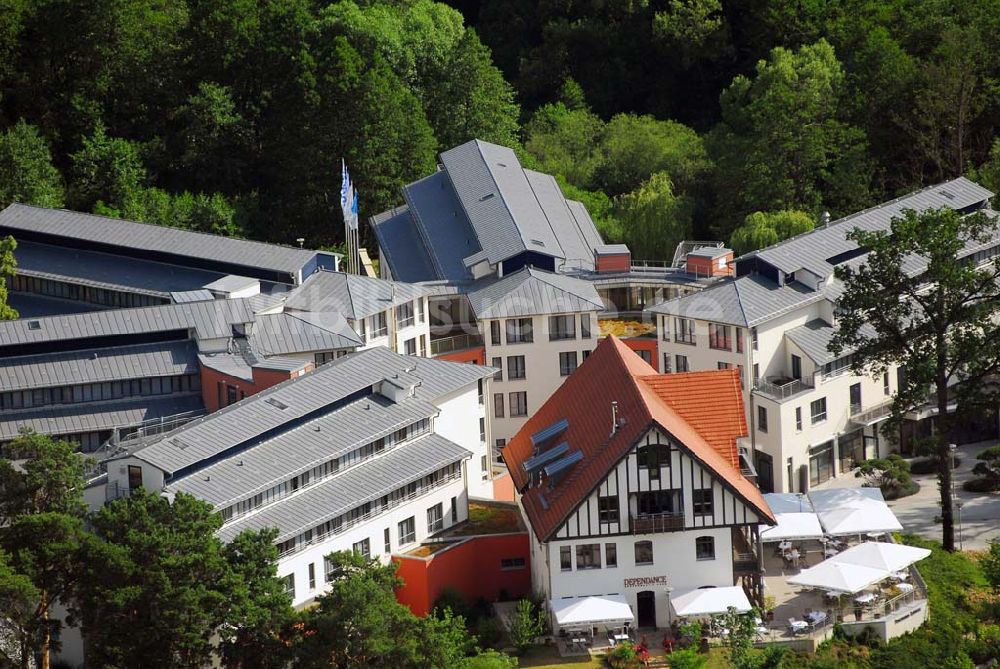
[
  {"x": 646, "y": 356},
  {"x": 666, "y": 363},
  {"x": 885, "y": 383},
  {"x": 380, "y": 327},
  {"x": 684, "y": 331},
  {"x": 567, "y": 363},
  {"x": 798, "y": 419},
  {"x": 762, "y": 419},
  {"x": 588, "y": 556},
  {"x": 362, "y": 548},
  {"x": 482, "y": 430},
  {"x": 289, "y": 583},
  {"x": 518, "y": 404},
  {"x": 483, "y": 465},
  {"x": 134, "y": 477},
  {"x": 419, "y": 302},
  {"x": 796, "y": 367},
  {"x": 454, "y": 509},
  {"x": 435, "y": 516},
  {"x": 643, "y": 552},
  {"x": 498, "y": 405},
  {"x": 724, "y": 365},
  {"x": 387, "y": 540},
  {"x": 515, "y": 367},
  {"x": 657, "y": 502},
  {"x": 739, "y": 340},
  {"x": 330, "y": 571},
  {"x": 611, "y": 555},
  {"x": 817, "y": 410},
  {"x": 519, "y": 330},
  {"x": 718, "y": 337},
  {"x": 585, "y": 326},
  {"x": 498, "y": 363},
  {"x": 821, "y": 463},
  {"x": 562, "y": 327},
  {"x": 500, "y": 443},
  {"x": 652, "y": 457},
  {"x": 607, "y": 509},
  {"x": 407, "y": 531},
  {"x": 753, "y": 338},
  {"x": 756, "y": 372},
  {"x": 703, "y": 500},
  {"x": 682, "y": 363},
  {"x": 511, "y": 564},
  {"x": 312, "y": 575},
  {"x": 495, "y": 333},
  {"x": 404, "y": 315},
  {"x": 665, "y": 326},
  {"x": 704, "y": 548},
  {"x": 586, "y": 354},
  {"x": 410, "y": 346},
  {"x": 231, "y": 397},
  {"x": 565, "y": 558}
]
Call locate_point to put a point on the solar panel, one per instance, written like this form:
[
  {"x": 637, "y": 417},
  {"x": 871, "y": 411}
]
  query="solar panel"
[
  {"x": 564, "y": 463},
  {"x": 548, "y": 433},
  {"x": 537, "y": 461}
]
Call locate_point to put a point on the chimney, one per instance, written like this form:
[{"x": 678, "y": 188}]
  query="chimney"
[
  {"x": 614, "y": 419},
  {"x": 824, "y": 219}
]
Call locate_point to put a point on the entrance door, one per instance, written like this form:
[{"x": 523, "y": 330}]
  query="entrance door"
[
  {"x": 855, "y": 398},
  {"x": 646, "y": 604}
]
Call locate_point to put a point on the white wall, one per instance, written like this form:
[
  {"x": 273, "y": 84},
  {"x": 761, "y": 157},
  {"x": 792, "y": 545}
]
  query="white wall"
[{"x": 459, "y": 422}]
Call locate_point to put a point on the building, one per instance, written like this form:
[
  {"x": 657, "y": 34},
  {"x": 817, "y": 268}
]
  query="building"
[
  {"x": 810, "y": 417},
  {"x": 631, "y": 486},
  {"x": 368, "y": 452},
  {"x": 70, "y": 261},
  {"x": 499, "y": 245}
]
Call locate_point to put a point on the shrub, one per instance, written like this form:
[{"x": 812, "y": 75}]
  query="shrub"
[
  {"x": 891, "y": 475},
  {"x": 980, "y": 485},
  {"x": 687, "y": 659},
  {"x": 901, "y": 490},
  {"x": 488, "y": 632},
  {"x": 526, "y": 624},
  {"x": 928, "y": 465}
]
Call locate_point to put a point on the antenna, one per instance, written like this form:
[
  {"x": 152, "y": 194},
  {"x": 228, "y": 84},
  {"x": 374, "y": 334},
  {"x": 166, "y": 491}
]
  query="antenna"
[{"x": 614, "y": 419}]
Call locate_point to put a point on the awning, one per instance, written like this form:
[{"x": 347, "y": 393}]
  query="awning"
[
  {"x": 594, "y": 610},
  {"x": 844, "y": 511},
  {"x": 792, "y": 527},
  {"x": 839, "y": 577},
  {"x": 788, "y": 502},
  {"x": 881, "y": 555},
  {"x": 709, "y": 601}
]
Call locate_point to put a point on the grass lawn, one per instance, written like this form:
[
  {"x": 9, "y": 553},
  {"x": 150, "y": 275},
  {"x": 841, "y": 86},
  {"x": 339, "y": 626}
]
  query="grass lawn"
[{"x": 547, "y": 657}]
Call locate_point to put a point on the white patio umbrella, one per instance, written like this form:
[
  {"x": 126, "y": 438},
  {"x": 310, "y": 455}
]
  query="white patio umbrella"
[
  {"x": 594, "y": 610},
  {"x": 792, "y": 527},
  {"x": 788, "y": 502},
  {"x": 839, "y": 577},
  {"x": 709, "y": 601},
  {"x": 880, "y": 555},
  {"x": 845, "y": 511}
]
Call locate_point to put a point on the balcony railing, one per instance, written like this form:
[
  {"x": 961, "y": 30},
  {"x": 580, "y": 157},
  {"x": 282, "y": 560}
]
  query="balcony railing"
[
  {"x": 644, "y": 523},
  {"x": 455, "y": 343},
  {"x": 871, "y": 415},
  {"x": 782, "y": 388},
  {"x": 745, "y": 563},
  {"x": 377, "y": 509}
]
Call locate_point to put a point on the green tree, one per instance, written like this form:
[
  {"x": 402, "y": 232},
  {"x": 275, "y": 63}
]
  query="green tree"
[
  {"x": 564, "y": 140},
  {"x": 525, "y": 624},
  {"x": 8, "y": 266},
  {"x": 988, "y": 466},
  {"x": 762, "y": 229},
  {"x": 158, "y": 566},
  {"x": 914, "y": 303},
  {"x": 988, "y": 173},
  {"x": 653, "y": 219},
  {"x": 360, "y": 623},
  {"x": 990, "y": 563},
  {"x": 108, "y": 176},
  {"x": 27, "y": 174},
  {"x": 41, "y": 501},
  {"x": 18, "y": 598},
  {"x": 490, "y": 659},
  {"x": 782, "y": 144}
]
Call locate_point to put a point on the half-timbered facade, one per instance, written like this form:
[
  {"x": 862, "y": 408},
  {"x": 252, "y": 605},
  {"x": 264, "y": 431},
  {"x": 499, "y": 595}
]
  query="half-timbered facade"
[{"x": 631, "y": 484}]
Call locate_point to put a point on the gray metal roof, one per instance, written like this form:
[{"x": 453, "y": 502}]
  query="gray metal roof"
[
  {"x": 401, "y": 246},
  {"x": 302, "y": 448},
  {"x": 530, "y": 292},
  {"x": 200, "y": 295},
  {"x": 104, "y": 270},
  {"x": 710, "y": 252},
  {"x": 355, "y": 486},
  {"x": 611, "y": 249},
  {"x": 134, "y": 235},
  {"x": 241, "y": 366},
  {"x": 746, "y": 301},
  {"x": 353, "y": 296},
  {"x": 814, "y": 339},
  {"x": 302, "y": 332},
  {"x": 98, "y": 365},
  {"x": 96, "y": 416},
  {"x": 441, "y": 224},
  {"x": 210, "y": 320},
  {"x": 811, "y": 250},
  {"x": 576, "y": 247},
  {"x": 33, "y": 305},
  {"x": 230, "y": 283},
  {"x": 329, "y": 383}
]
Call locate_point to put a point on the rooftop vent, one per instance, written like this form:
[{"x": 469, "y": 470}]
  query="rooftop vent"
[
  {"x": 34, "y": 325},
  {"x": 276, "y": 403},
  {"x": 537, "y": 242},
  {"x": 486, "y": 197},
  {"x": 948, "y": 194},
  {"x": 179, "y": 444}
]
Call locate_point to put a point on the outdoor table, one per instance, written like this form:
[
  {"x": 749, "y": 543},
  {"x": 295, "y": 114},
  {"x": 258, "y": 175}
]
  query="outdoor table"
[
  {"x": 866, "y": 598},
  {"x": 905, "y": 587},
  {"x": 799, "y": 626},
  {"x": 784, "y": 545},
  {"x": 816, "y": 617}
]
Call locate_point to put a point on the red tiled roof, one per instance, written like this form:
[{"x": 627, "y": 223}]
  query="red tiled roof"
[{"x": 702, "y": 410}]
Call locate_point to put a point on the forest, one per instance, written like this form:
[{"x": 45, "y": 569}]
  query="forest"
[{"x": 739, "y": 120}]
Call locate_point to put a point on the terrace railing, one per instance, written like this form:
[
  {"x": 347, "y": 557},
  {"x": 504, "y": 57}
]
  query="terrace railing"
[{"x": 645, "y": 523}]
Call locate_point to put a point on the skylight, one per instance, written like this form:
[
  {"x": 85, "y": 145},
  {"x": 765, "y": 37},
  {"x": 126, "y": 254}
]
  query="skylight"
[
  {"x": 276, "y": 403},
  {"x": 34, "y": 325}
]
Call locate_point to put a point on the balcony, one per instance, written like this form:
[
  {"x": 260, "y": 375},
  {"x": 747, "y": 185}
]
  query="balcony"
[
  {"x": 782, "y": 387},
  {"x": 455, "y": 343},
  {"x": 745, "y": 564},
  {"x": 645, "y": 523},
  {"x": 871, "y": 415}
]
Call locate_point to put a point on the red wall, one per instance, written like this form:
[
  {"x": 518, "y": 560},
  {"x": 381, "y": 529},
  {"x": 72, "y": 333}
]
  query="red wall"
[
  {"x": 503, "y": 488},
  {"x": 644, "y": 344},
  {"x": 709, "y": 267},
  {"x": 471, "y": 567},
  {"x": 474, "y": 355},
  {"x": 262, "y": 378},
  {"x": 618, "y": 262}
]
